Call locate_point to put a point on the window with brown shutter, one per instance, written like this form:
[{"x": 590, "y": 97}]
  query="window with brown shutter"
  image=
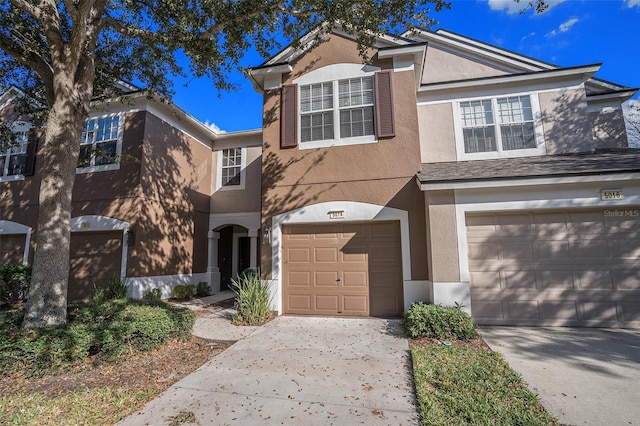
[
  {"x": 32, "y": 147},
  {"x": 289, "y": 116}
]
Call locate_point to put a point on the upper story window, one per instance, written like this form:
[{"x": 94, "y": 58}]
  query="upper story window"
[
  {"x": 339, "y": 104},
  {"x": 350, "y": 114},
  {"x": 501, "y": 126},
  {"x": 14, "y": 159},
  {"x": 100, "y": 144},
  {"x": 231, "y": 168}
]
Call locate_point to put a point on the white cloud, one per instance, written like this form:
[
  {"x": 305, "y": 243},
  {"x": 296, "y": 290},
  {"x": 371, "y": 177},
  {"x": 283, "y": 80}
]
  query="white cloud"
[
  {"x": 214, "y": 127},
  {"x": 564, "y": 27},
  {"x": 632, "y": 3},
  {"x": 513, "y": 7},
  {"x": 631, "y": 110}
]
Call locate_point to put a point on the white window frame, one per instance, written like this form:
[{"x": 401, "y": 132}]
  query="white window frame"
[
  {"x": 243, "y": 170},
  {"x": 333, "y": 74},
  {"x": 540, "y": 148},
  {"x": 22, "y": 127},
  {"x": 105, "y": 167}
]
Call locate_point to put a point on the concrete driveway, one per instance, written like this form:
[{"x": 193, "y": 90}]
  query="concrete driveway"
[
  {"x": 298, "y": 370},
  {"x": 582, "y": 376}
]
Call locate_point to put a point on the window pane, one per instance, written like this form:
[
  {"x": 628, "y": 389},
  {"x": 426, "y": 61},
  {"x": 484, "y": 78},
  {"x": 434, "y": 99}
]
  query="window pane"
[
  {"x": 518, "y": 136},
  {"x": 476, "y": 113},
  {"x": 105, "y": 153},
  {"x": 481, "y": 139},
  {"x": 356, "y": 122},
  {"x": 2, "y": 161},
  {"x": 85, "y": 156},
  {"x": 16, "y": 164},
  {"x": 318, "y": 126},
  {"x": 515, "y": 109}
]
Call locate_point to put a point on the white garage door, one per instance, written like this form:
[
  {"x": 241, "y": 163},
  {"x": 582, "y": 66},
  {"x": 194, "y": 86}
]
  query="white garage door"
[{"x": 571, "y": 267}]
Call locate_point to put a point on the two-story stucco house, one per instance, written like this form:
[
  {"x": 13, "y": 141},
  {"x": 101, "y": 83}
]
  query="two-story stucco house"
[
  {"x": 452, "y": 171},
  {"x": 444, "y": 170}
]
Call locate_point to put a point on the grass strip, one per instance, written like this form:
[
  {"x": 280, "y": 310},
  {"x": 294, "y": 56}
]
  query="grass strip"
[{"x": 465, "y": 386}]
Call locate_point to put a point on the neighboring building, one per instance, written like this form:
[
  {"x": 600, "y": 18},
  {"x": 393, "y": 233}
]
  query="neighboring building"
[
  {"x": 142, "y": 199},
  {"x": 451, "y": 171},
  {"x": 445, "y": 170}
]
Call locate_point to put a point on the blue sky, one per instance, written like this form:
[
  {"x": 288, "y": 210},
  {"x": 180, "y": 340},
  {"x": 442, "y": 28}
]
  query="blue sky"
[{"x": 571, "y": 32}]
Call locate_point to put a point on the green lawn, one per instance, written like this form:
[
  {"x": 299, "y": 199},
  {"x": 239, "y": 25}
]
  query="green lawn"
[{"x": 459, "y": 385}]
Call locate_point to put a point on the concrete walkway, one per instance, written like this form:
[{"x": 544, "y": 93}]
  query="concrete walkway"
[
  {"x": 298, "y": 370},
  {"x": 582, "y": 376}
]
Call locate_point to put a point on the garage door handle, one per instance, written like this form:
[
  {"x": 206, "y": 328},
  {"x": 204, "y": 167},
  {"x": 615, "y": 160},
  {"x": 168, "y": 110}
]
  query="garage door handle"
[{"x": 338, "y": 279}]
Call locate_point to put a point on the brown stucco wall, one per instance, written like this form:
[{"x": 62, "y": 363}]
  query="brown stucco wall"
[
  {"x": 381, "y": 173},
  {"x": 442, "y": 236},
  {"x": 609, "y": 130},
  {"x": 441, "y": 65},
  {"x": 566, "y": 123},
  {"x": 437, "y": 133}
]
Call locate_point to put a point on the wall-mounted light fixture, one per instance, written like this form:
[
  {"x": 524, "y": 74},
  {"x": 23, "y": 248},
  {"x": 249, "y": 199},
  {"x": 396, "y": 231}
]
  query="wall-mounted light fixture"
[
  {"x": 266, "y": 234},
  {"x": 130, "y": 237}
]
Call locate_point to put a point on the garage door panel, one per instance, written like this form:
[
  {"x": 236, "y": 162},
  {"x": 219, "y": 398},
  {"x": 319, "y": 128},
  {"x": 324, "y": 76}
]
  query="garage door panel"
[
  {"x": 484, "y": 250},
  {"x": 600, "y": 311},
  {"x": 326, "y": 279},
  {"x": 345, "y": 258},
  {"x": 550, "y": 249},
  {"x": 589, "y": 249},
  {"x": 594, "y": 279},
  {"x": 626, "y": 279},
  {"x": 524, "y": 280},
  {"x": 630, "y": 311},
  {"x": 522, "y": 309},
  {"x": 299, "y": 279},
  {"x": 299, "y": 255},
  {"x": 355, "y": 279},
  {"x": 555, "y": 279},
  {"x": 624, "y": 248},
  {"x": 325, "y": 255},
  {"x": 565, "y": 310}
]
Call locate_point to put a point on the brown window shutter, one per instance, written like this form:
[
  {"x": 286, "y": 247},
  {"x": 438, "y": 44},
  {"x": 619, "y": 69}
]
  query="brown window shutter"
[
  {"x": 384, "y": 105},
  {"x": 289, "y": 116},
  {"x": 32, "y": 146}
]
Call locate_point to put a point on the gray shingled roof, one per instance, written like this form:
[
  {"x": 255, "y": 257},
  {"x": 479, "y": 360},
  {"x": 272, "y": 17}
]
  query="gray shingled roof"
[{"x": 590, "y": 163}]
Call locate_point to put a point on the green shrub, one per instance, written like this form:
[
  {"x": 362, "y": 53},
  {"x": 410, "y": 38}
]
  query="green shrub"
[
  {"x": 153, "y": 295},
  {"x": 253, "y": 301},
  {"x": 184, "y": 291},
  {"x": 439, "y": 322},
  {"x": 14, "y": 282},
  {"x": 203, "y": 289},
  {"x": 108, "y": 330},
  {"x": 110, "y": 289}
]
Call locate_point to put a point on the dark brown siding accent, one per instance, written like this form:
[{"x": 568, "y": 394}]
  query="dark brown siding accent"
[
  {"x": 289, "y": 116},
  {"x": 32, "y": 146},
  {"x": 384, "y": 105}
]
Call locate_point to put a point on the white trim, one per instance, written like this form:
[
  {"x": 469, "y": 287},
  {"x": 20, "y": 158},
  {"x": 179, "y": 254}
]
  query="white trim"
[
  {"x": 528, "y": 181},
  {"x": 249, "y": 220},
  {"x": 318, "y": 213},
  {"x": 11, "y": 228},
  {"x": 243, "y": 170},
  {"x": 560, "y": 196},
  {"x": 96, "y": 223},
  {"x": 540, "y": 148},
  {"x": 335, "y": 72}
]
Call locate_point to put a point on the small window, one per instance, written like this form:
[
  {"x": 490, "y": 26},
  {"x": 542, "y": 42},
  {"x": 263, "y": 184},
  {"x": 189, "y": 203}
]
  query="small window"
[
  {"x": 99, "y": 142},
  {"x": 13, "y": 160},
  {"x": 498, "y": 125},
  {"x": 231, "y": 167}
]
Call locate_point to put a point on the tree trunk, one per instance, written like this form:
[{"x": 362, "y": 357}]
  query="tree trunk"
[{"x": 47, "y": 301}]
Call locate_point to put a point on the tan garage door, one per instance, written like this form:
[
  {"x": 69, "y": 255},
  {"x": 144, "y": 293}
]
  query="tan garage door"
[
  {"x": 573, "y": 267},
  {"x": 94, "y": 258},
  {"x": 343, "y": 269},
  {"x": 12, "y": 248}
]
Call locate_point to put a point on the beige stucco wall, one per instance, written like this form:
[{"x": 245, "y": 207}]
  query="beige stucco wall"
[
  {"x": 441, "y": 65},
  {"x": 608, "y": 128},
  {"x": 566, "y": 123},
  {"x": 437, "y": 133},
  {"x": 442, "y": 236}
]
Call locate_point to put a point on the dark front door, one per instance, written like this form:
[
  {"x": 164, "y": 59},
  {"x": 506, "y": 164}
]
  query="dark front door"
[
  {"x": 244, "y": 254},
  {"x": 225, "y": 257}
]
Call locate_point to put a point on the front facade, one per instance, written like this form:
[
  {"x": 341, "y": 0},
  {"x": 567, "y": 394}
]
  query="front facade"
[{"x": 442, "y": 170}]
